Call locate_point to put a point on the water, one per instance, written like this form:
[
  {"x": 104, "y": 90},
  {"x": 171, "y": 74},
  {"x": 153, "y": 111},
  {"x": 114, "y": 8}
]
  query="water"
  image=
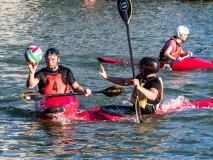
[{"x": 82, "y": 32}]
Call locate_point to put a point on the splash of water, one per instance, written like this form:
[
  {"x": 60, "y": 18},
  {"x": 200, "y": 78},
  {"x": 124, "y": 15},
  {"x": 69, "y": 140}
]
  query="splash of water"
[
  {"x": 171, "y": 105},
  {"x": 60, "y": 118}
]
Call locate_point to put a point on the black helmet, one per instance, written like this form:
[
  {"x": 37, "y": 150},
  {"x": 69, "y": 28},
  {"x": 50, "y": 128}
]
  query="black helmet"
[
  {"x": 52, "y": 51},
  {"x": 149, "y": 65}
]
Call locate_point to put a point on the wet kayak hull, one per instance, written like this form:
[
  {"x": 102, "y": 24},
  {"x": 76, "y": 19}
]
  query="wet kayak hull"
[
  {"x": 184, "y": 65},
  {"x": 68, "y": 108}
]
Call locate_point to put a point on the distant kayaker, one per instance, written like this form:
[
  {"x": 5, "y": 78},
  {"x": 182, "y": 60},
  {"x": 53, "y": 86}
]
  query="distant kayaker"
[
  {"x": 54, "y": 78},
  {"x": 172, "y": 50},
  {"x": 149, "y": 85}
]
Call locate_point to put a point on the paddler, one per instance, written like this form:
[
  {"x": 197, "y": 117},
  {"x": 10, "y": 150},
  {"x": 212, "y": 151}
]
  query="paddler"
[
  {"x": 54, "y": 78},
  {"x": 172, "y": 50},
  {"x": 149, "y": 85}
]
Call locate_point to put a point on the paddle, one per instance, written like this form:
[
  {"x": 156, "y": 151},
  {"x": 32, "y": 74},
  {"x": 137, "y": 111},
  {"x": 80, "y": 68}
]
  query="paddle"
[
  {"x": 125, "y": 11},
  {"x": 195, "y": 52},
  {"x": 31, "y": 96}
]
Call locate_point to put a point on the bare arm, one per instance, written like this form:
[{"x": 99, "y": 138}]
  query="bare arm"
[
  {"x": 183, "y": 54},
  {"x": 149, "y": 94},
  {"x": 77, "y": 88},
  {"x": 168, "y": 51},
  {"x": 115, "y": 80},
  {"x": 31, "y": 80}
]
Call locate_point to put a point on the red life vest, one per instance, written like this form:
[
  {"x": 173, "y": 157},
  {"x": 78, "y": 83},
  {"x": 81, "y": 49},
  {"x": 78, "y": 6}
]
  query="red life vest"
[
  {"x": 175, "y": 52},
  {"x": 55, "y": 85}
]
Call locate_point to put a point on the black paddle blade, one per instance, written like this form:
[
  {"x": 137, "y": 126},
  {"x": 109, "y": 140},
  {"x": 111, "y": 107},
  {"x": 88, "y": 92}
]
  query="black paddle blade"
[
  {"x": 31, "y": 96},
  {"x": 114, "y": 91},
  {"x": 199, "y": 50},
  {"x": 125, "y": 10}
]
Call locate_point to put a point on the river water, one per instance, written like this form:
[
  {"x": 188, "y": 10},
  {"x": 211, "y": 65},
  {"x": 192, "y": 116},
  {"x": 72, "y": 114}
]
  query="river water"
[{"x": 83, "y": 31}]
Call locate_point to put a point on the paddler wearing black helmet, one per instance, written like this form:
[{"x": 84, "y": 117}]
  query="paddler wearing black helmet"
[
  {"x": 54, "y": 78},
  {"x": 149, "y": 85}
]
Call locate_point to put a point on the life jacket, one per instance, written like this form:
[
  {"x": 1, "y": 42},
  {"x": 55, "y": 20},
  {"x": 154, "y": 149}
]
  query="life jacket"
[
  {"x": 143, "y": 100},
  {"x": 161, "y": 93},
  {"x": 175, "y": 53},
  {"x": 55, "y": 85}
]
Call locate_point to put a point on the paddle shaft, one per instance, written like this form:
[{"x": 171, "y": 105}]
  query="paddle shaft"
[
  {"x": 76, "y": 93},
  {"x": 137, "y": 106},
  {"x": 130, "y": 50},
  {"x": 33, "y": 96},
  {"x": 195, "y": 52},
  {"x": 70, "y": 94},
  {"x": 125, "y": 10}
]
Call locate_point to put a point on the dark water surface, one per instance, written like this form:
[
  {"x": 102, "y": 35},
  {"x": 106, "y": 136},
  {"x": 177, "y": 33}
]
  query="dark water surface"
[{"x": 82, "y": 32}]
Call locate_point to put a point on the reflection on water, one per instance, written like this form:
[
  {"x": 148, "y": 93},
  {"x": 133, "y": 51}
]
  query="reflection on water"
[
  {"x": 60, "y": 137},
  {"x": 84, "y": 30},
  {"x": 90, "y": 3}
]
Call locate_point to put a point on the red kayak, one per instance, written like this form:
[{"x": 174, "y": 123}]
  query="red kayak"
[
  {"x": 185, "y": 64},
  {"x": 67, "y": 107},
  {"x": 192, "y": 63}
]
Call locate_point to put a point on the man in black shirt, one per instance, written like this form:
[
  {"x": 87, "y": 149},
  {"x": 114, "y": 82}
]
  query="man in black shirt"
[{"x": 149, "y": 85}]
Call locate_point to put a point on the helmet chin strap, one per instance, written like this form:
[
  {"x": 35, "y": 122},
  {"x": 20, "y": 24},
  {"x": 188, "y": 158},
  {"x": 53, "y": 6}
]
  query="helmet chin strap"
[
  {"x": 184, "y": 40},
  {"x": 143, "y": 75},
  {"x": 54, "y": 68}
]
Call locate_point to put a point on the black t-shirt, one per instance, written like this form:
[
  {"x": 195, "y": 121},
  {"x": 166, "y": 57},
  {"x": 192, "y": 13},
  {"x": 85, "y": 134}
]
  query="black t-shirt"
[
  {"x": 151, "y": 82},
  {"x": 66, "y": 73}
]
